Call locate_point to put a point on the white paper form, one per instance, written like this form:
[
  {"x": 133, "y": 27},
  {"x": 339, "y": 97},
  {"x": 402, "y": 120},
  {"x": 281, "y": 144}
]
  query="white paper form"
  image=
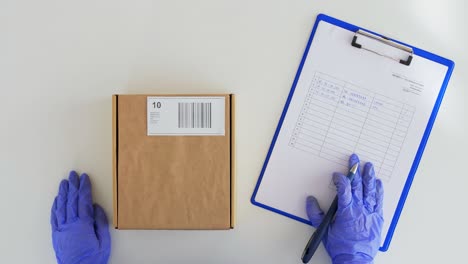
[{"x": 349, "y": 100}]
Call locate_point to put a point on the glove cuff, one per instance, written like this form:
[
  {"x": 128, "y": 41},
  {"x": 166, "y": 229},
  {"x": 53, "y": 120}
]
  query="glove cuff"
[{"x": 358, "y": 258}]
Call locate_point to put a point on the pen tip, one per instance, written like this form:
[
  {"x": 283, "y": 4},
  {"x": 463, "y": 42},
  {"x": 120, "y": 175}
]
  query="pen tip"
[{"x": 354, "y": 168}]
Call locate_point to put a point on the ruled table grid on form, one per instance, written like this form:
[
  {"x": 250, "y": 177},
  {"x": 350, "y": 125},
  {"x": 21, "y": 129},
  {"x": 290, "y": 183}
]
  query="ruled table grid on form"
[{"x": 337, "y": 118}]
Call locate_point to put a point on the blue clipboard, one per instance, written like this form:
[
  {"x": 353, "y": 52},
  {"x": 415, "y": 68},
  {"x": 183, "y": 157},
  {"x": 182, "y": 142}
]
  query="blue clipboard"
[{"x": 422, "y": 53}]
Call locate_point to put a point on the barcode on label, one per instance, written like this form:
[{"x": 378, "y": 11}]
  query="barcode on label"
[
  {"x": 194, "y": 115},
  {"x": 186, "y": 115}
]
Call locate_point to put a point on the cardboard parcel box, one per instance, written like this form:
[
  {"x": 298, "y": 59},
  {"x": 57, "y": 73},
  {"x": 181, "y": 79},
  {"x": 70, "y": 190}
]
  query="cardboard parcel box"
[{"x": 173, "y": 161}]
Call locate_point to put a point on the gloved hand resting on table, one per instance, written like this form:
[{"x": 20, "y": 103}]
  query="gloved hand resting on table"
[
  {"x": 354, "y": 235},
  {"x": 80, "y": 232}
]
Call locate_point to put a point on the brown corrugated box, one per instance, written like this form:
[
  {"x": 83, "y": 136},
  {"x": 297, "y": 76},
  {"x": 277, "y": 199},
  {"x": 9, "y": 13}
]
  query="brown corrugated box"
[{"x": 170, "y": 182}]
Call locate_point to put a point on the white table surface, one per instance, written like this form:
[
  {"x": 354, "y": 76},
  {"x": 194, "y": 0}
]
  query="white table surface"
[{"x": 60, "y": 61}]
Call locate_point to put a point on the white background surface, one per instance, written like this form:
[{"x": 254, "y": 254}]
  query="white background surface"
[{"x": 60, "y": 61}]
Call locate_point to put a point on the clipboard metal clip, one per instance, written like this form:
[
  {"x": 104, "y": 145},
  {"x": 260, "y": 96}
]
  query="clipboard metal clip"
[{"x": 380, "y": 46}]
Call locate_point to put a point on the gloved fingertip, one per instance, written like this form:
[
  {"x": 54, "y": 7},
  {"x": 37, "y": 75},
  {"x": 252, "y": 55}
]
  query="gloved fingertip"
[
  {"x": 85, "y": 181},
  {"x": 312, "y": 204},
  {"x": 367, "y": 166},
  {"x": 73, "y": 179},
  {"x": 72, "y": 173},
  {"x": 313, "y": 210},
  {"x": 379, "y": 196},
  {"x": 379, "y": 188},
  {"x": 369, "y": 177},
  {"x": 72, "y": 200},
  {"x": 353, "y": 159},
  {"x": 63, "y": 188},
  {"x": 341, "y": 182},
  {"x": 338, "y": 178},
  {"x": 369, "y": 169},
  {"x": 85, "y": 199},
  {"x": 62, "y": 198},
  {"x": 311, "y": 199}
]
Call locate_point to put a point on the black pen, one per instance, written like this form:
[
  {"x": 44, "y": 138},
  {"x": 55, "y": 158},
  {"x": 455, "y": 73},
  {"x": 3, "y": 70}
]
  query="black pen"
[{"x": 317, "y": 236}]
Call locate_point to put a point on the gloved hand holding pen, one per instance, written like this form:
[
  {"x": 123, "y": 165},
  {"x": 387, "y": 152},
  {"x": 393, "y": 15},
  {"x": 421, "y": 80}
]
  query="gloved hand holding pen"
[{"x": 354, "y": 235}]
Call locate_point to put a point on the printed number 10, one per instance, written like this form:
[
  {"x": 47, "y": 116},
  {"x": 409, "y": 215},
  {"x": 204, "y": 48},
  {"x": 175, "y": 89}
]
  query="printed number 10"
[{"x": 158, "y": 104}]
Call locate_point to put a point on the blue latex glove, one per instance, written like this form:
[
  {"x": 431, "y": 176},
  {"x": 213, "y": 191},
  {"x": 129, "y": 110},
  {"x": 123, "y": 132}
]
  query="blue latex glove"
[
  {"x": 354, "y": 235},
  {"x": 80, "y": 232}
]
